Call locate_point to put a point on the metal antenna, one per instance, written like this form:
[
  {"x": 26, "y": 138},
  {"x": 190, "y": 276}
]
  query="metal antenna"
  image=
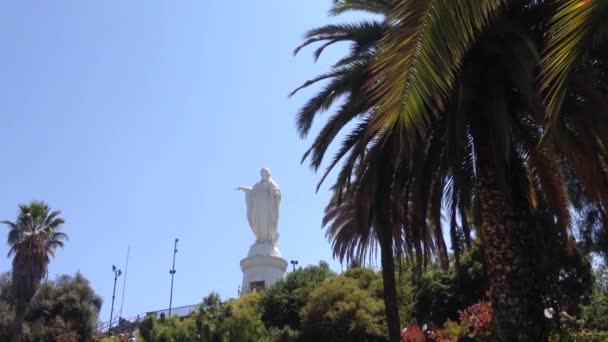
[
  {"x": 172, "y": 272},
  {"x": 117, "y": 274},
  {"x": 124, "y": 282}
]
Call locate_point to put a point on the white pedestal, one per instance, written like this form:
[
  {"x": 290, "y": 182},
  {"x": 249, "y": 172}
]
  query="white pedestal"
[{"x": 263, "y": 267}]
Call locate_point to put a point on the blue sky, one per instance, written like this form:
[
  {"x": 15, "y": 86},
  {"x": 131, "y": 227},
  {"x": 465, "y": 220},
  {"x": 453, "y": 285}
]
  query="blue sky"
[{"x": 138, "y": 118}]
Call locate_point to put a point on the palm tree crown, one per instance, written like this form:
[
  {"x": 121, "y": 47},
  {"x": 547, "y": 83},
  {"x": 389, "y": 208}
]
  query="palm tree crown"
[{"x": 33, "y": 239}]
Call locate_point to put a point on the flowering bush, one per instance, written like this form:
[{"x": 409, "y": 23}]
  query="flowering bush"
[
  {"x": 441, "y": 336},
  {"x": 475, "y": 322},
  {"x": 478, "y": 319},
  {"x": 413, "y": 333},
  {"x": 450, "y": 332}
]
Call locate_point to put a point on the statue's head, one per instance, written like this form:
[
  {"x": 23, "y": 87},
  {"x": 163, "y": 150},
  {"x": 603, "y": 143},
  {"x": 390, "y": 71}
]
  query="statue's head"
[{"x": 265, "y": 173}]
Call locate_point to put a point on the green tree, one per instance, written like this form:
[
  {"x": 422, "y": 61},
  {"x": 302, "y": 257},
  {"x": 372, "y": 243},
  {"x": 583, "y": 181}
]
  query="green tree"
[
  {"x": 244, "y": 319},
  {"x": 282, "y": 302},
  {"x": 146, "y": 328},
  {"x": 170, "y": 329},
  {"x": 71, "y": 299},
  {"x": 210, "y": 316},
  {"x": 33, "y": 239},
  {"x": 7, "y": 314},
  {"x": 175, "y": 329},
  {"x": 594, "y": 315},
  {"x": 64, "y": 308},
  {"x": 341, "y": 310},
  {"x": 215, "y": 321}
]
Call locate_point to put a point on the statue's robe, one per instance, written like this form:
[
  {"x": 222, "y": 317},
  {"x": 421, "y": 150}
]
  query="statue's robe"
[{"x": 263, "y": 210}]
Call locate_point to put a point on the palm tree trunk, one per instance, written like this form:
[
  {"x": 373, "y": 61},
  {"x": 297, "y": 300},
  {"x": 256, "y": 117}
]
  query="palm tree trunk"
[
  {"x": 18, "y": 322},
  {"x": 390, "y": 287},
  {"x": 508, "y": 235}
]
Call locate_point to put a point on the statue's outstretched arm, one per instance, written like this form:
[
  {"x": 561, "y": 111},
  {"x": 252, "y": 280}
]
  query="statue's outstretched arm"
[{"x": 244, "y": 189}]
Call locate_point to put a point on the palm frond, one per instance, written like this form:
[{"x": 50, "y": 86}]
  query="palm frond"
[
  {"x": 361, "y": 33},
  {"x": 553, "y": 185},
  {"x": 575, "y": 24},
  {"x": 355, "y": 57},
  {"x": 10, "y": 224},
  {"x": 356, "y": 137},
  {"x": 344, "y": 82},
  {"x": 333, "y": 73},
  {"x": 350, "y": 109},
  {"x": 420, "y": 55},
  {"x": 381, "y": 7}
]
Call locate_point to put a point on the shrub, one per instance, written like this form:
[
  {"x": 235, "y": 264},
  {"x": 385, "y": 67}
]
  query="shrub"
[
  {"x": 584, "y": 336},
  {"x": 413, "y": 333},
  {"x": 478, "y": 320},
  {"x": 475, "y": 323},
  {"x": 341, "y": 310}
]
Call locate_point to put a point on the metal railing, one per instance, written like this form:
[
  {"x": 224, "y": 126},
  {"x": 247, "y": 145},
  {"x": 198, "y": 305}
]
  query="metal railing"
[
  {"x": 182, "y": 311},
  {"x": 102, "y": 327}
]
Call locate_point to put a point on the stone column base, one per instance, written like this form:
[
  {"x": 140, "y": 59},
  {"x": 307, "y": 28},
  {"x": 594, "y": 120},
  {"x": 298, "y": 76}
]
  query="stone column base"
[{"x": 261, "y": 271}]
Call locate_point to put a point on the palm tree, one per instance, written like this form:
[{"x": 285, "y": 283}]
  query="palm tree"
[
  {"x": 33, "y": 239},
  {"x": 451, "y": 90},
  {"x": 360, "y": 195},
  {"x": 473, "y": 64},
  {"x": 367, "y": 213}
]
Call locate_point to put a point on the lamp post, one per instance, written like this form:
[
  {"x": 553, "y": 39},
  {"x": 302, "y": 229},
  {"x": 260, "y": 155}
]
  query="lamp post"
[
  {"x": 294, "y": 263},
  {"x": 117, "y": 274},
  {"x": 172, "y": 272}
]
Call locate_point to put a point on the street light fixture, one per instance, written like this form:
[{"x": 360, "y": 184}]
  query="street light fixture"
[
  {"x": 117, "y": 274},
  {"x": 294, "y": 263},
  {"x": 172, "y": 272}
]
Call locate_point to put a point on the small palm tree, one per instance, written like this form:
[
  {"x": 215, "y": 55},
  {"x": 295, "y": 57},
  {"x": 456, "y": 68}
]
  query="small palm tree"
[{"x": 32, "y": 238}]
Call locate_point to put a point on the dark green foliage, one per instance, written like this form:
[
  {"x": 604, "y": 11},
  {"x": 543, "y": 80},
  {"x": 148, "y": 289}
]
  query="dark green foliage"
[
  {"x": 72, "y": 299},
  {"x": 436, "y": 298},
  {"x": 146, "y": 328},
  {"x": 281, "y": 304},
  {"x": 7, "y": 315},
  {"x": 66, "y": 307},
  {"x": 568, "y": 279},
  {"x": 438, "y": 295},
  {"x": 285, "y": 334},
  {"x": 595, "y": 314},
  {"x": 587, "y": 336}
]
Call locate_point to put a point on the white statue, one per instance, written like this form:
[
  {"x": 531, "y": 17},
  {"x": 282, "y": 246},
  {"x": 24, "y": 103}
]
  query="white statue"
[{"x": 263, "y": 208}]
